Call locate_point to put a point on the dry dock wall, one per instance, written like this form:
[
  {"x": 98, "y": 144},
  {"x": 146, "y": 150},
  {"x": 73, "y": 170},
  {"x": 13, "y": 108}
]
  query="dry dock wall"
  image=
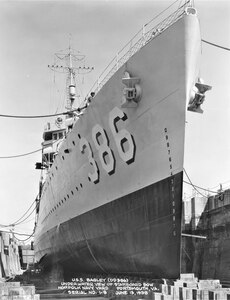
[{"x": 210, "y": 257}]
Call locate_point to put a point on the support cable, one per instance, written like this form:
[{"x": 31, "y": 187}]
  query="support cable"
[
  {"x": 76, "y": 110},
  {"x": 154, "y": 18},
  {"x": 200, "y": 188},
  {"x": 27, "y": 153},
  {"x": 21, "y": 155},
  {"x": 35, "y": 117},
  {"x": 16, "y": 223},
  {"x": 20, "y": 221},
  {"x": 13, "y": 232},
  {"x": 196, "y": 187},
  {"x": 30, "y": 236},
  {"x": 215, "y": 45}
]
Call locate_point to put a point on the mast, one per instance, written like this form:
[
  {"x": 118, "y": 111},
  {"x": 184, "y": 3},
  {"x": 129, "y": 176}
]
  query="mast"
[
  {"x": 72, "y": 59},
  {"x": 72, "y": 86}
]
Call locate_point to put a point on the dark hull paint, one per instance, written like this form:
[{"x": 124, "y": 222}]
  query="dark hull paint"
[{"x": 138, "y": 234}]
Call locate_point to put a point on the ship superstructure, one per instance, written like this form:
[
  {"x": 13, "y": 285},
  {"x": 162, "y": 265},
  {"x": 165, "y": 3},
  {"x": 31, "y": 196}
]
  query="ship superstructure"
[{"x": 111, "y": 201}]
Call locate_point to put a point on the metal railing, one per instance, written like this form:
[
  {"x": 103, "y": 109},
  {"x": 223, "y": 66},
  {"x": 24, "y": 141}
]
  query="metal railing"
[{"x": 142, "y": 37}]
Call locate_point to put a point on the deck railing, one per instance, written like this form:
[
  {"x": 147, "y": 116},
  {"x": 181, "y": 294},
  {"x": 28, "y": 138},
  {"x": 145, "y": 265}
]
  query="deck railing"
[{"x": 142, "y": 37}]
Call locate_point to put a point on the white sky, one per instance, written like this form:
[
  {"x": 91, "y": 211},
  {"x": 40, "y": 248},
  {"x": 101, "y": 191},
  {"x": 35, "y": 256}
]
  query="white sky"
[{"x": 32, "y": 31}]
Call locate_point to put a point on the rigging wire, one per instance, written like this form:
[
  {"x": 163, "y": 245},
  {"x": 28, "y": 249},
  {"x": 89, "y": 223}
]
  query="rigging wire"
[
  {"x": 222, "y": 183},
  {"x": 19, "y": 220},
  {"x": 36, "y": 117},
  {"x": 25, "y": 213},
  {"x": 30, "y": 236},
  {"x": 195, "y": 186},
  {"x": 154, "y": 18},
  {"x": 77, "y": 110},
  {"x": 200, "y": 188},
  {"x": 180, "y": 4},
  {"x": 215, "y": 45},
  {"x": 26, "y": 217},
  {"x": 13, "y": 232},
  {"x": 21, "y": 155},
  {"x": 22, "y": 228},
  {"x": 27, "y": 153}
]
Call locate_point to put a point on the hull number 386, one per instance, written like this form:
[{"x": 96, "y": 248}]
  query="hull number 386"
[{"x": 124, "y": 142}]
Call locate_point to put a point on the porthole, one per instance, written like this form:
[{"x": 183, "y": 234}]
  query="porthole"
[
  {"x": 73, "y": 143},
  {"x": 72, "y": 192}
]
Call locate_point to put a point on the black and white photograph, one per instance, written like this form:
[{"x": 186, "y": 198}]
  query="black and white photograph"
[{"x": 115, "y": 149}]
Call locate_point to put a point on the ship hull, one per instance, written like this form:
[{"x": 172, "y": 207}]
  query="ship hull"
[
  {"x": 131, "y": 235},
  {"x": 123, "y": 215}
]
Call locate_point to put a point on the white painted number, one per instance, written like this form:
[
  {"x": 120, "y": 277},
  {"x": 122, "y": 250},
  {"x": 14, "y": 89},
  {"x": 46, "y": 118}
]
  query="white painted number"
[
  {"x": 84, "y": 144},
  {"x": 101, "y": 142},
  {"x": 124, "y": 140}
]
